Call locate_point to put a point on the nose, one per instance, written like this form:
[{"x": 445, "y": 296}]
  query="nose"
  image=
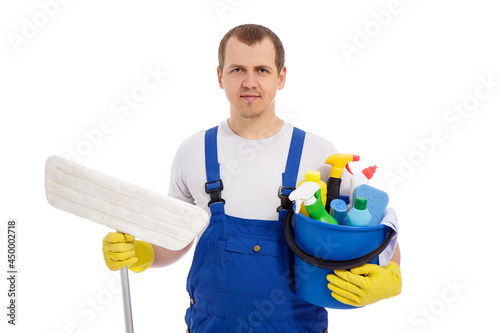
[{"x": 250, "y": 80}]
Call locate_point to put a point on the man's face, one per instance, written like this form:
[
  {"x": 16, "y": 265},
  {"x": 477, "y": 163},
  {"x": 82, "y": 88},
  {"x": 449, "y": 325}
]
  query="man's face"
[{"x": 250, "y": 78}]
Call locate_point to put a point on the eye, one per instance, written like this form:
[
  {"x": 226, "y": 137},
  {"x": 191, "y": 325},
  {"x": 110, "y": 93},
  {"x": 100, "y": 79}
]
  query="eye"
[
  {"x": 237, "y": 70},
  {"x": 263, "y": 70}
]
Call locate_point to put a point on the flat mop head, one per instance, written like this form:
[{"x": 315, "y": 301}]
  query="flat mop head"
[{"x": 155, "y": 218}]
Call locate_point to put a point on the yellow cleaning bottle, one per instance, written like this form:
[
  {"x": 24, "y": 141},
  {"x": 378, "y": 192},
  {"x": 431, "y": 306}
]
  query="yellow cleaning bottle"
[{"x": 313, "y": 176}]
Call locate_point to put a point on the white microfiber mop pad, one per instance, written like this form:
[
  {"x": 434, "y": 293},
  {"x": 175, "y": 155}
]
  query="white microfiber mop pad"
[{"x": 155, "y": 218}]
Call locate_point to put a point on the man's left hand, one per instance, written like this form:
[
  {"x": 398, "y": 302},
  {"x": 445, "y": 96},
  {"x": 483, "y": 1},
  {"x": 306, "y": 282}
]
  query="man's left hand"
[{"x": 365, "y": 284}]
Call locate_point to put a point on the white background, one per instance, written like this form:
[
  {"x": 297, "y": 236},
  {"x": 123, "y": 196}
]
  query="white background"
[{"x": 61, "y": 77}]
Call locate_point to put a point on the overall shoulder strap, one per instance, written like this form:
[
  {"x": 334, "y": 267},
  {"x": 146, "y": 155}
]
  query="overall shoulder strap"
[
  {"x": 289, "y": 177},
  {"x": 214, "y": 185}
]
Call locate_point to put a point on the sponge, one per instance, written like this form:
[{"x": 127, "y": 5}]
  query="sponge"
[{"x": 377, "y": 201}]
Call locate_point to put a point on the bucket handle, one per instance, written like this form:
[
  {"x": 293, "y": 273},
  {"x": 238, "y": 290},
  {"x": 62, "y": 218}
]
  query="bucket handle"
[{"x": 331, "y": 264}]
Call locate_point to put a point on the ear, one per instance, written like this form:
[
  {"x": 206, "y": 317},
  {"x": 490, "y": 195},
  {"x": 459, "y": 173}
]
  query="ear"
[
  {"x": 282, "y": 78},
  {"x": 219, "y": 77}
]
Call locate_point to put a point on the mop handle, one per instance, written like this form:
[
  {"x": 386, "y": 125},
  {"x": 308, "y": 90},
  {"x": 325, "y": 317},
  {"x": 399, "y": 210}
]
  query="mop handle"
[{"x": 127, "y": 306}]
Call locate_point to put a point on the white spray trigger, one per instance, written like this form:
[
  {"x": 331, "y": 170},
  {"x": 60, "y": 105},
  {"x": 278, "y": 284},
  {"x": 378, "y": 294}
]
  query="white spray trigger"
[{"x": 304, "y": 193}]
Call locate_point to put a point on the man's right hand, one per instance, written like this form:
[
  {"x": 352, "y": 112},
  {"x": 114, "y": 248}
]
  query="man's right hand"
[{"x": 119, "y": 250}]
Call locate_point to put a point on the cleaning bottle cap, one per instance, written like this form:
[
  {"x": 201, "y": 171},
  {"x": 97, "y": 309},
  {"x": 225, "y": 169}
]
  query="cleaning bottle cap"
[
  {"x": 360, "y": 203},
  {"x": 368, "y": 172},
  {"x": 338, "y": 205},
  {"x": 313, "y": 176},
  {"x": 304, "y": 193},
  {"x": 338, "y": 209}
]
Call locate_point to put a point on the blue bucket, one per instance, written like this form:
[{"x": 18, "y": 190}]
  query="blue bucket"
[{"x": 320, "y": 248}]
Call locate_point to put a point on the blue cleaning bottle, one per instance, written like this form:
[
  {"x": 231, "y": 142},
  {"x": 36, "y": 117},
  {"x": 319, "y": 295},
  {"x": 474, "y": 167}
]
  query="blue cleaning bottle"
[
  {"x": 338, "y": 209},
  {"x": 359, "y": 216}
]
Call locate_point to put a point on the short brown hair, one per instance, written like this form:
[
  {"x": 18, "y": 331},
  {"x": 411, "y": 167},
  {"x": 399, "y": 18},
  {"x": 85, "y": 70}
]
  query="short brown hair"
[{"x": 251, "y": 34}]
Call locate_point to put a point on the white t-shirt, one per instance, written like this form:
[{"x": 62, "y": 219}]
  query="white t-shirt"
[{"x": 251, "y": 171}]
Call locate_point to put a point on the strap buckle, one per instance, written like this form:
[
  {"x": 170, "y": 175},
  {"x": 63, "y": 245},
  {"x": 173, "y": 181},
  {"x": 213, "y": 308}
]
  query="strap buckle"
[
  {"x": 285, "y": 202},
  {"x": 215, "y": 191}
]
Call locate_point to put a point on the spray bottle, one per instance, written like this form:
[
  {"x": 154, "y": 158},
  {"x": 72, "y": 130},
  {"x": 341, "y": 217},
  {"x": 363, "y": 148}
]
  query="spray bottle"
[
  {"x": 310, "y": 194},
  {"x": 338, "y": 163},
  {"x": 360, "y": 178},
  {"x": 313, "y": 176}
]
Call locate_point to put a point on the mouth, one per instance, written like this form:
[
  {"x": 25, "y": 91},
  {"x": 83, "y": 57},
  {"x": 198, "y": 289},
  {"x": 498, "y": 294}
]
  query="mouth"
[{"x": 249, "y": 97}]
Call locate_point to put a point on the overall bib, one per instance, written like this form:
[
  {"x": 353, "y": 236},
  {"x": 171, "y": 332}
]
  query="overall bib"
[{"x": 241, "y": 276}]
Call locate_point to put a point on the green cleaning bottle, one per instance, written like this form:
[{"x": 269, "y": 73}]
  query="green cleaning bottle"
[
  {"x": 313, "y": 176},
  {"x": 310, "y": 194}
]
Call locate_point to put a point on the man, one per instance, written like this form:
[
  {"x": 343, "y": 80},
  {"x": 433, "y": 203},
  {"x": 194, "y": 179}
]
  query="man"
[{"x": 240, "y": 277}]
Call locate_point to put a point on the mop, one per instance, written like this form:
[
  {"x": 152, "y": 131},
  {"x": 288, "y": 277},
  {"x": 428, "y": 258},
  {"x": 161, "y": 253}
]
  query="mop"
[{"x": 127, "y": 208}]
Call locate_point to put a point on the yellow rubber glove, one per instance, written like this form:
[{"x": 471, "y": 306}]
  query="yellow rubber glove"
[
  {"x": 145, "y": 256},
  {"x": 122, "y": 250},
  {"x": 365, "y": 284}
]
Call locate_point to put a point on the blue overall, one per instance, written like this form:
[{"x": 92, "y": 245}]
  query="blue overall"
[{"x": 241, "y": 277}]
